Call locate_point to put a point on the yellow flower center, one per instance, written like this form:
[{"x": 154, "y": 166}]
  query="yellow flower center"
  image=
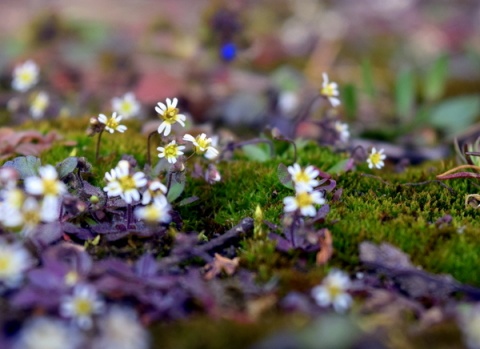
[
  {"x": 112, "y": 123},
  {"x": 126, "y": 107},
  {"x": 71, "y": 278},
  {"x": 83, "y": 306},
  {"x": 328, "y": 90},
  {"x": 151, "y": 214},
  {"x": 16, "y": 198},
  {"x": 5, "y": 264},
  {"x": 304, "y": 199},
  {"x": 50, "y": 187},
  {"x": 301, "y": 177},
  {"x": 171, "y": 151},
  {"x": 170, "y": 115},
  {"x": 40, "y": 103},
  {"x": 127, "y": 183},
  {"x": 31, "y": 217},
  {"x": 375, "y": 158},
  {"x": 25, "y": 76},
  {"x": 334, "y": 290}
]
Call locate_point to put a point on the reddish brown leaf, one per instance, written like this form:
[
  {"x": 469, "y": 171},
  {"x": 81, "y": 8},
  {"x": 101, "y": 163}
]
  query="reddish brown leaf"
[{"x": 326, "y": 248}]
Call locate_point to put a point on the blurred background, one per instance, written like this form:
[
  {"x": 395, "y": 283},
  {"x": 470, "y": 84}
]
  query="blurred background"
[{"x": 408, "y": 70}]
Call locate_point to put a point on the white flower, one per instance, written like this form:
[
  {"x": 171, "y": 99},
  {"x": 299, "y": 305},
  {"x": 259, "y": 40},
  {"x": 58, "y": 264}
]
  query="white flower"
[
  {"x": 203, "y": 145},
  {"x": 157, "y": 211},
  {"x": 122, "y": 183},
  {"x": 39, "y": 104},
  {"x": 47, "y": 333},
  {"x": 14, "y": 261},
  {"x": 25, "y": 76},
  {"x": 333, "y": 291},
  {"x": 304, "y": 201},
  {"x": 112, "y": 124},
  {"x": 155, "y": 188},
  {"x": 169, "y": 114},
  {"x": 342, "y": 130},
  {"x": 330, "y": 90},
  {"x": 120, "y": 329},
  {"x": 375, "y": 159},
  {"x": 82, "y": 305},
  {"x": 47, "y": 184},
  {"x": 304, "y": 179},
  {"x": 171, "y": 151},
  {"x": 127, "y": 105}
]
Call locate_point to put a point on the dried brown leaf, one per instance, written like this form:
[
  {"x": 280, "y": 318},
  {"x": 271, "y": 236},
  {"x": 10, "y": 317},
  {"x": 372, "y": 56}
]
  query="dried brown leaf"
[{"x": 326, "y": 247}]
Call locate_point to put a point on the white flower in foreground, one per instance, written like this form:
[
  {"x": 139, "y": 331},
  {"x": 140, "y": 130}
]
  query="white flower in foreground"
[
  {"x": 112, "y": 124},
  {"x": 375, "y": 159},
  {"x": 156, "y": 212},
  {"x": 120, "y": 329},
  {"x": 203, "y": 145},
  {"x": 171, "y": 151},
  {"x": 342, "y": 130},
  {"x": 25, "y": 76},
  {"x": 39, "y": 104},
  {"x": 169, "y": 114},
  {"x": 333, "y": 291},
  {"x": 330, "y": 90},
  {"x": 47, "y": 333},
  {"x": 15, "y": 260},
  {"x": 304, "y": 179},
  {"x": 304, "y": 201},
  {"x": 47, "y": 184},
  {"x": 155, "y": 188},
  {"x": 82, "y": 306},
  {"x": 127, "y": 105},
  {"x": 120, "y": 182}
]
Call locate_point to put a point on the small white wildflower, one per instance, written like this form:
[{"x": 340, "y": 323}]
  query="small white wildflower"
[
  {"x": 14, "y": 262},
  {"x": 330, "y": 90},
  {"x": 171, "y": 151},
  {"x": 112, "y": 124},
  {"x": 122, "y": 183},
  {"x": 304, "y": 201},
  {"x": 47, "y": 184},
  {"x": 47, "y": 333},
  {"x": 82, "y": 306},
  {"x": 25, "y": 76},
  {"x": 157, "y": 211},
  {"x": 120, "y": 329},
  {"x": 304, "y": 179},
  {"x": 126, "y": 106},
  {"x": 155, "y": 188},
  {"x": 333, "y": 291},
  {"x": 202, "y": 145},
  {"x": 169, "y": 114},
  {"x": 342, "y": 130},
  {"x": 39, "y": 104},
  {"x": 375, "y": 159}
]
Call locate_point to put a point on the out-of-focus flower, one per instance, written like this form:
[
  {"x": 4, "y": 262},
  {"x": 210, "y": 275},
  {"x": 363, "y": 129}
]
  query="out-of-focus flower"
[
  {"x": 333, "y": 291},
  {"x": 330, "y": 90},
  {"x": 39, "y": 104},
  {"x": 25, "y": 76},
  {"x": 47, "y": 333},
  {"x": 304, "y": 179},
  {"x": 120, "y": 329},
  {"x": 82, "y": 306},
  {"x": 155, "y": 188},
  {"x": 202, "y": 145},
  {"x": 120, "y": 182},
  {"x": 156, "y": 212},
  {"x": 169, "y": 114},
  {"x": 47, "y": 184},
  {"x": 127, "y": 106},
  {"x": 112, "y": 124},
  {"x": 14, "y": 261},
  {"x": 212, "y": 175},
  {"x": 304, "y": 202},
  {"x": 375, "y": 159},
  {"x": 171, "y": 151},
  {"x": 342, "y": 130}
]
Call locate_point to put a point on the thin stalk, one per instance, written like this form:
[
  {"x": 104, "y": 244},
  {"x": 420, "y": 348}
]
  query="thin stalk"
[
  {"x": 149, "y": 158},
  {"x": 473, "y": 167}
]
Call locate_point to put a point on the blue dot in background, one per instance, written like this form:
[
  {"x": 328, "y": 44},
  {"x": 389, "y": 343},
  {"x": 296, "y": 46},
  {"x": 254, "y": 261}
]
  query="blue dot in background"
[{"x": 228, "y": 51}]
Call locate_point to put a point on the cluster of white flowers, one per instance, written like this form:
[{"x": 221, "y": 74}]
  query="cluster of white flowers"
[
  {"x": 306, "y": 196},
  {"x": 39, "y": 202}
]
